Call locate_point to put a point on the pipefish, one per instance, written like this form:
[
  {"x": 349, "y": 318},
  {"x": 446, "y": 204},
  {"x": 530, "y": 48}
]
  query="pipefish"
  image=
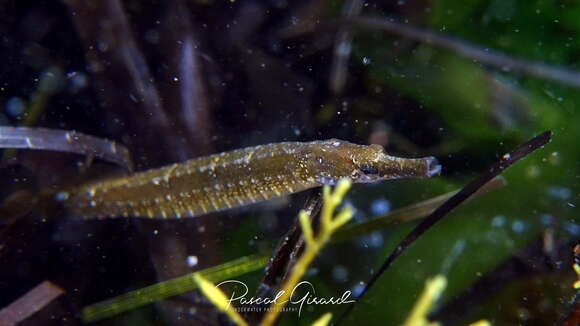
[{"x": 237, "y": 178}]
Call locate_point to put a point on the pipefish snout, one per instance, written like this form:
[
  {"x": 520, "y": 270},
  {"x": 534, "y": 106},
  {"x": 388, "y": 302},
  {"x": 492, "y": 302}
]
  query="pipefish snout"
[{"x": 240, "y": 177}]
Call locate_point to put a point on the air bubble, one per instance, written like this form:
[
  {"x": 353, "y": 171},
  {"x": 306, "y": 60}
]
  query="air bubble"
[
  {"x": 62, "y": 196},
  {"x": 380, "y": 206},
  {"x": 498, "y": 221},
  {"x": 358, "y": 289},
  {"x": 518, "y": 226},
  {"x": 340, "y": 273},
  {"x": 192, "y": 261}
]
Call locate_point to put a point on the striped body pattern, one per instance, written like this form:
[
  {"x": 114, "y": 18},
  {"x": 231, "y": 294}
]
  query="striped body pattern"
[{"x": 237, "y": 178}]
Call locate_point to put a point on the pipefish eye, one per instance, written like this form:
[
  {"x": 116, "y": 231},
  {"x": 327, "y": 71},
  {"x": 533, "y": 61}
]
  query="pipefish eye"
[{"x": 369, "y": 169}]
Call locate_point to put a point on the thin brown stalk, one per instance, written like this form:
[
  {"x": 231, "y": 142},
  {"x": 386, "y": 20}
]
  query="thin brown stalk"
[
  {"x": 65, "y": 141},
  {"x": 31, "y": 302},
  {"x": 484, "y": 55}
]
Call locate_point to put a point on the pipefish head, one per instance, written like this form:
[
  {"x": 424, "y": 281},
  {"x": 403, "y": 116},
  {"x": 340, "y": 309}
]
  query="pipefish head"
[{"x": 362, "y": 164}]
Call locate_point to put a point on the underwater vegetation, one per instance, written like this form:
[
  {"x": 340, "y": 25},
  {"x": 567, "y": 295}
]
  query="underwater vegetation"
[{"x": 108, "y": 90}]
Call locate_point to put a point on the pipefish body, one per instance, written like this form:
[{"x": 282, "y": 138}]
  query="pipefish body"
[{"x": 240, "y": 177}]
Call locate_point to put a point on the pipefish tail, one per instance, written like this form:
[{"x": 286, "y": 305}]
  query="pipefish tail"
[{"x": 240, "y": 177}]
